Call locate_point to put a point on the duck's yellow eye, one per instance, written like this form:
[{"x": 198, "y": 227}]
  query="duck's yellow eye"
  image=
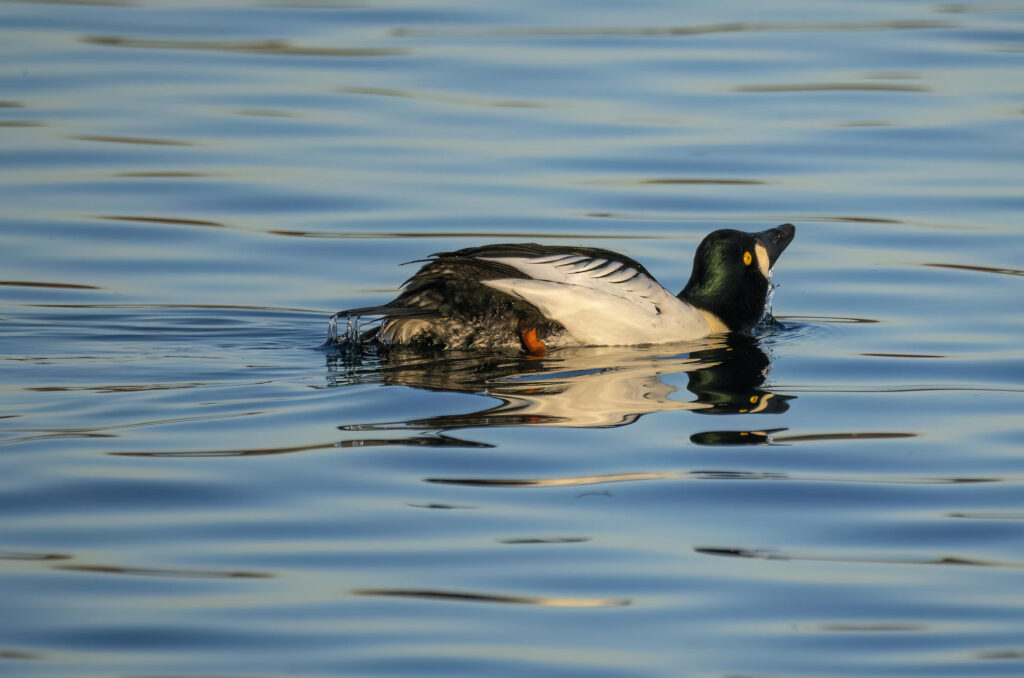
[{"x": 747, "y": 258}]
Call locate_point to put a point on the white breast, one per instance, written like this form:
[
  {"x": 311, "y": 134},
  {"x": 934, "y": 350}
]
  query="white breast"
[{"x": 601, "y": 302}]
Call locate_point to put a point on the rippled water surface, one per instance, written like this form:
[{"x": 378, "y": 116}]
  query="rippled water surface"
[{"x": 190, "y": 485}]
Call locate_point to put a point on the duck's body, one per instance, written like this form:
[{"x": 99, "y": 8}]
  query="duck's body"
[{"x": 535, "y": 297}]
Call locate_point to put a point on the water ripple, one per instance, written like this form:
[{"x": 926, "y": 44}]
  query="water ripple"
[
  {"x": 55, "y": 285},
  {"x": 129, "y": 140},
  {"x": 163, "y": 572},
  {"x": 282, "y": 47},
  {"x": 832, "y": 87},
  {"x": 979, "y": 269},
  {"x": 467, "y": 597},
  {"x": 192, "y": 486},
  {"x": 777, "y": 554},
  {"x": 705, "y": 29}
]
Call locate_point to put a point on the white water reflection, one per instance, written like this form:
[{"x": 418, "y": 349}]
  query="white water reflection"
[{"x": 580, "y": 387}]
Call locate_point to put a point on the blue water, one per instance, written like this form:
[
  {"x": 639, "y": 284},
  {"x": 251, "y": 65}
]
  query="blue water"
[{"x": 191, "y": 485}]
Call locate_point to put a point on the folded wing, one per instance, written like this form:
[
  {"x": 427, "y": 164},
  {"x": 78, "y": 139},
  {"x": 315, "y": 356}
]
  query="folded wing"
[{"x": 600, "y": 298}]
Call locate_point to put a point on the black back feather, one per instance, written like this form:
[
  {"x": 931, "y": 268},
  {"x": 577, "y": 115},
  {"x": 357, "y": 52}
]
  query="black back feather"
[{"x": 449, "y": 284}]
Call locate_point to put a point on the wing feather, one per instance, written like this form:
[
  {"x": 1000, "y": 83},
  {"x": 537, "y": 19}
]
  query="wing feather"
[
  {"x": 597, "y": 296},
  {"x": 587, "y": 265},
  {"x": 601, "y": 301}
]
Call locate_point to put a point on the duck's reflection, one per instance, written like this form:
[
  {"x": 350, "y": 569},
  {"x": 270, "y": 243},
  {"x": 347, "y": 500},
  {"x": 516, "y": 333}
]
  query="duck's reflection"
[{"x": 592, "y": 387}]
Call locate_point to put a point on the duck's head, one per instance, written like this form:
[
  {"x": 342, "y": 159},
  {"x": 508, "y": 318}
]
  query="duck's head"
[{"x": 731, "y": 274}]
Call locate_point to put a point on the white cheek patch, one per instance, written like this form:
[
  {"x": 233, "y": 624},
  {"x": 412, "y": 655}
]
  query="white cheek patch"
[{"x": 762, "y": 261}]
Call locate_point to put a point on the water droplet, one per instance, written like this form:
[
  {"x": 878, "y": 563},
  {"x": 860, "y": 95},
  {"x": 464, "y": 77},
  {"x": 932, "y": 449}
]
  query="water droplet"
[
  {"x": 352, "y": 330},
  {"x": 332, "y": 330}
]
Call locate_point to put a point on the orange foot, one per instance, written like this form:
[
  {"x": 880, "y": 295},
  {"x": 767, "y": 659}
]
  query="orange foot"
[{"x": 535, "y": 348}]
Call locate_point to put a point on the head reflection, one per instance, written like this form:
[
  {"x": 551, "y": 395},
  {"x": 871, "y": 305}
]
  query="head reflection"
[
  {"x": 587, "y": 387},
  {"x": 734, "y": 380}
]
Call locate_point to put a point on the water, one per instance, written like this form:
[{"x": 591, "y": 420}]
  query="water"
[{"x": 191, "y": 485}]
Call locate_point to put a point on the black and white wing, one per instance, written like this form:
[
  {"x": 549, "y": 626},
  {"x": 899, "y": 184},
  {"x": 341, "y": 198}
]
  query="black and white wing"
[{"x": 601, "y": 298}]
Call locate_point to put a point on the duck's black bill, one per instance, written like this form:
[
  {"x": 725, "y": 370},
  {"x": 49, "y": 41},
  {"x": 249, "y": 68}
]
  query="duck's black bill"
[{"x": 775, "y": 240}]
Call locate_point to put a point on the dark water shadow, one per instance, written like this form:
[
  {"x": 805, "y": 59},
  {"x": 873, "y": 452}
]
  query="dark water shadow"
[
  {"x": 692, "y": 30},
  {"x": 273, "y": 46},
  {"x": 50, "y": 285},
  {"x": 474, "y": 597},
  {"x": 585, "y": 387},
  {"x": 831, "y": 87},
  {"x": 164, "y": 572},
  {"x": 777, "y": 554},
  {"x": 701, "y": 475},
  {"x": 32, "y": 555},
  {"x": 978, "y": 269}
]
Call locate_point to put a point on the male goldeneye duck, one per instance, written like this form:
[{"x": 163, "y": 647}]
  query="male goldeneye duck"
[{"x": 533, "y": 297}]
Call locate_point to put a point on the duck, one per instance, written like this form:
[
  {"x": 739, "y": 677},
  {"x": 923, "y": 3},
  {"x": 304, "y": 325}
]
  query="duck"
[{"x": 530, "y": 298}]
